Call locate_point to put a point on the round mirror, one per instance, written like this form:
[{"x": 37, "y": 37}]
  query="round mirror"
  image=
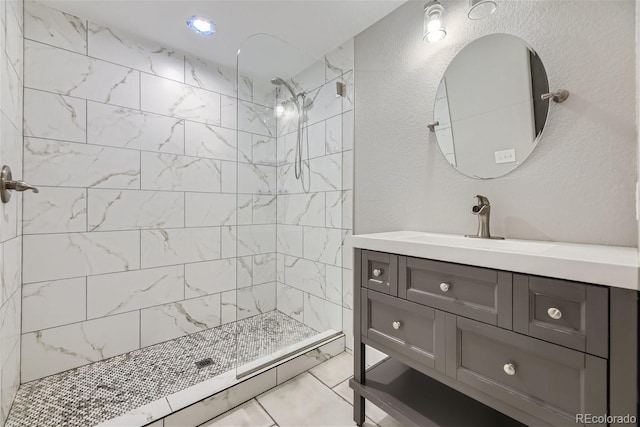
[{"x": 488, "y": 113}]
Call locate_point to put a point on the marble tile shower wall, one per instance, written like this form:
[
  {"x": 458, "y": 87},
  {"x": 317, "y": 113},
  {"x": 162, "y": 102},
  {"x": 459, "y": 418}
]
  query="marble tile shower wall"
[
  {"x": 132, "y": 239},
  {"x": 314, "y": 215},
  {"x": 11, "y": 87}
]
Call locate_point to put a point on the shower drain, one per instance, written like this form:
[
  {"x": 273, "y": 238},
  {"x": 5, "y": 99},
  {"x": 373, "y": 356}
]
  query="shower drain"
[{"x": 204, "y": 363}]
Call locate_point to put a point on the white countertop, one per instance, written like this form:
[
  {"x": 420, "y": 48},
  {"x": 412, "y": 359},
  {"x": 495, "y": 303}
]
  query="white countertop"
[{"x": 605, "y": 265}]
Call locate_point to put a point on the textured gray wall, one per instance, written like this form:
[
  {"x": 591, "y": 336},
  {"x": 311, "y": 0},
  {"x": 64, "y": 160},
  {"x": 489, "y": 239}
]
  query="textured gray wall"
[{"x": 579, "y": 183}]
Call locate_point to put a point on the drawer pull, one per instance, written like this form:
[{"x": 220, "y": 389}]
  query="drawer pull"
[
  {"x": 554, "y": 313},
  {"x": 396, "y": 325},
  {"x": 509, "y": 369},
  {"x": 444, "y": 287},
  {"x": 377, "y": 272}
]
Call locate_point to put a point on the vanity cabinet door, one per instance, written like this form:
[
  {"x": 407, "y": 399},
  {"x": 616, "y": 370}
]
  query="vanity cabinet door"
[
  {"x": 478, "y": 293},
  {"x": 550, "y": 382},
  {"x": 415, "y": 331},
  {"x": 571, "y": 314},
  {"x": 380, "y": 272}
]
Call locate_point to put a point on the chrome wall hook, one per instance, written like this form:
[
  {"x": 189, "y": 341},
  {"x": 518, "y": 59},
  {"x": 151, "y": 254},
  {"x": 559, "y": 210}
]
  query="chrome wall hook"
[
  {"x": 559, "y": 95},
  {"x": 8, "y": 184}
]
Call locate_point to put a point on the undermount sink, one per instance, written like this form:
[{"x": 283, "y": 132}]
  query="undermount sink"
[{"x": 476, "y": 243}]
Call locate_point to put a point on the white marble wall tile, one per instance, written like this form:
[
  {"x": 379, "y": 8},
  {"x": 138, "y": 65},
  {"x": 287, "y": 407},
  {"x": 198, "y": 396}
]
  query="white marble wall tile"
[
  {"x": 70, "y": 346},
  {"x": 302, "y": 209},
  {"x": 210, "y": 209},
  {"x": 256, "y": 119},
  {"x": 245, "y": 209},
  {"x": 264, "y": 150},
  {"x": 290, "y": 301},
  {"x": 221, "y": 402},
  {"x": 245, "y": 271},
  {"x": 132, "y": 209},
  {"x": 180, "y": 173},
  {"x": 178, "y": 319},
  {"x": 53, "y": 116},
  {"x": 77, "y": 75},
  {"x": 205, "y": 140},
  {"x": 325, "y": 103},
  {"x": 264, "y": 268},
  {"x": 290, "y": 238},
  {"x": 326, "y": 173},
  {"x": 229, "y": 112},
  {"x": 254, "y": 178},
  {"x": 122, "y": 127},
  {"x": 109, "y": 294},
  {"x": 50, "y": 26},
  {"x": 335, "y": 201},
  {"x": 11, "y": 91},
  {"x": 334, "y": 134},
  {"x": 311, "y": 77},
  {"x": 264, "y": 209},
  {"x": 347, "y": 327},
  {"x": 50, "y": 304},
  {"x": 170, "y": 98},
  {"x": 210, "y": 277},
  {"x": 10, "y": 314},
  {"x": 347, "y": 209},
  {"x": 322, "y": 315},
  {"x": 14, "y": 44},
  {"x": 179, "y": 246},
  {"x": 347, "y": 170},
  {"x": 11, "y": 254},
  {"x": 116, "y": 46},
  {"x": 256, "y": 300},
  {"x": 229, "y": 308},
  {"x": 347, "y": 130},
  {"x": 347, "y": 251},
  {"x": 10, "y": 380},
  {"x": 348, "y": 101},
  {"x": 61, "y": 256},
  {"x": 256, "y": 239},
  {"x": 69, "y": 164},
  {"x": 305, "y": 275},
  {"x": 214, "y": 77},
  {"x": 228, "y": 240},
  {"x": 339, "y": 60},
  {"x": 229, "y": 177},
  {"x": 323, "y": 245},
  {"x": 55, "y": 210},
  {"x": 347, "y": 288}
]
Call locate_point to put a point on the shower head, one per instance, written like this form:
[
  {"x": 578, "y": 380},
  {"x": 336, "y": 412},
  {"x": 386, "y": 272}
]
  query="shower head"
[{"x": 281, "y": 82}]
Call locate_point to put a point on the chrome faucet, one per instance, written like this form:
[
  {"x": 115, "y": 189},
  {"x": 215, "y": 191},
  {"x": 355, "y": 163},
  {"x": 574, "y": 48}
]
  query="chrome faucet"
[{"x": 483, "y": 210}]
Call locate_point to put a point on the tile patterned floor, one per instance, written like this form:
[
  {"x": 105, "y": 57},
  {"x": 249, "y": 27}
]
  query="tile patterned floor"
[
  {"x": 100, "y": 391},
  {"x": 290, "y": 405}
]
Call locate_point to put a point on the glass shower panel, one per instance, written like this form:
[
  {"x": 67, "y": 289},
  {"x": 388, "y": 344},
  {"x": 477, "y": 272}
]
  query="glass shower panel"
[{"x": 289, "y": 253}]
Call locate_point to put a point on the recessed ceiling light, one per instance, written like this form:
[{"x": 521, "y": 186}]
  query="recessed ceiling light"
[{"x": 202, "y": 26}]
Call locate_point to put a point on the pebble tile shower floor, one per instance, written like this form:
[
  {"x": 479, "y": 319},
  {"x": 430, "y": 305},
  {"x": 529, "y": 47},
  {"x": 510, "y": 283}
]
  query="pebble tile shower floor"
[{"x": 93, "y": 393}]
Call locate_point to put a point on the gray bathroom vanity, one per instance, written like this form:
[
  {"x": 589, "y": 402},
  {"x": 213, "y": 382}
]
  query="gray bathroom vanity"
[{"x": 489, "y": 333}]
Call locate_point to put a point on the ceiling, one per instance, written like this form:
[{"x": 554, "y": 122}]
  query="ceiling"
[{"x": 315, "y": 27}]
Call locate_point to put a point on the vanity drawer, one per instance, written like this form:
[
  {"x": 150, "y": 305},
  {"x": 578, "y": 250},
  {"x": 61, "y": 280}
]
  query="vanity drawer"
[
  {"x": 575, "y": 315},
  {"x": 478, "y": 293},
  {"x": 550, "y": 382},
  {"x": 380, "y": 272},
  {"x": 415, "y": 331}
]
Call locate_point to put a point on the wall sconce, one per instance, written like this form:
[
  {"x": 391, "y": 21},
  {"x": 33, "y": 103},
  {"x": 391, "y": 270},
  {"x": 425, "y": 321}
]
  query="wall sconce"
[
  {"x": 433, "y": 29},
  {"x": 479, "y": 9}
]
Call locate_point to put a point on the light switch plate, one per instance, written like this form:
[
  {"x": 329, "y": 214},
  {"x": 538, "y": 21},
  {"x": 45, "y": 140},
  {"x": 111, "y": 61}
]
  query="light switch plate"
[{"x": 505, "y": 156}]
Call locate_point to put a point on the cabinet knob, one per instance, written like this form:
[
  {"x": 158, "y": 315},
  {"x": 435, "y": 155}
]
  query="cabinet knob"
[
  {"x": 444, "y": 287},
  {"x": 396, "y": 325},
  {"x": 377, "y": 272},
  {"x": 554, "y": 313},
  {"x": 509, "y": 369}
]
